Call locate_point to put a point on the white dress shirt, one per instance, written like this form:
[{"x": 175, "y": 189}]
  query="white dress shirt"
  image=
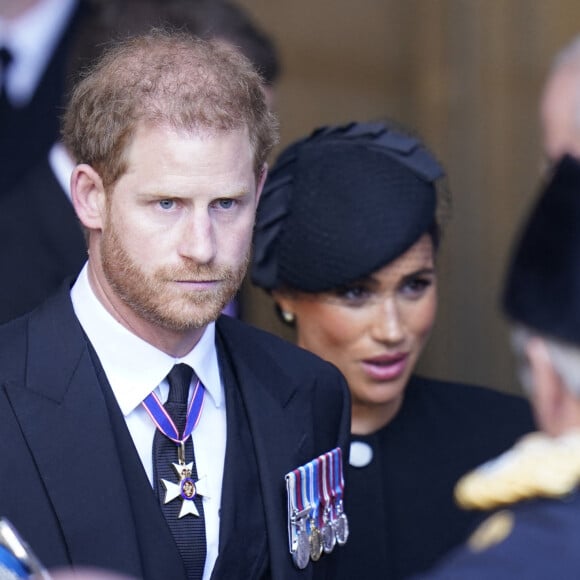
[
  {"x": 135, "y": 368},
  {"x": 32, "y": 39}
]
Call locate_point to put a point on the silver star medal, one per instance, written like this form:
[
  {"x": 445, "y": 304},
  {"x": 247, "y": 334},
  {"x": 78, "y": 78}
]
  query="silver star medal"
[{"x": 187, "y": 489}]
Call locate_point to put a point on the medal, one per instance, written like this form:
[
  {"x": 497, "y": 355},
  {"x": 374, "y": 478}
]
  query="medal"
[
  {"x": 316, "y": 548},
  {"x": 341, "y": 528},
  {"x": 316, "y": 518},
  {"x": 297, "y": 518},
  {"x": 301, "y": 554},
  {"x": 341, "y": 521},
  {"x": 327, "y": 530},
  {"x": 315, "y": 538},
  {"x": 186, "y": 487}
]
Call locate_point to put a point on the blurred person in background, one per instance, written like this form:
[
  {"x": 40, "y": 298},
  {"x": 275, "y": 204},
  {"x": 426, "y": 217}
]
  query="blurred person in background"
[
  {"x": 346, "y": 240},
  {"x": 560, "y": 104},
  {"x": 533, "y": 489},
  {"x": 35, "y": 39}
]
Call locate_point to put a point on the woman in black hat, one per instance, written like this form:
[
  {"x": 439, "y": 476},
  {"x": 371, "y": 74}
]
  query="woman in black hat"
[{"x": 346, "y": 236}]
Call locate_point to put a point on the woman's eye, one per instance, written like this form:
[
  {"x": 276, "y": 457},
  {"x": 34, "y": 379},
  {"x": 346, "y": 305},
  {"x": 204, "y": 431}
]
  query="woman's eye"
[
  {"x": 354, "y": 294},
  {"x": 417, "y": 286},
  {"x": 166, "y": 204}
]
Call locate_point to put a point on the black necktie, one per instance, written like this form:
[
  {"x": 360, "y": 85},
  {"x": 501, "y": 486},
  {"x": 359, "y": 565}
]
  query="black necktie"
[
  {"x": 189, "y": 530},
  {"x": 5, "y": 61}
]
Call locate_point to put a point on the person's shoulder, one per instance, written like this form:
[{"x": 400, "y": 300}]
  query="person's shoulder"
[
  {"x": 552, "y": 518},
  {"x": 520, "y": 540}
]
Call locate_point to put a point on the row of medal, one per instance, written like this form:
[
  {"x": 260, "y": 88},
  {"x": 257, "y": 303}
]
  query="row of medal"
[{"x": 316, "y": 518}]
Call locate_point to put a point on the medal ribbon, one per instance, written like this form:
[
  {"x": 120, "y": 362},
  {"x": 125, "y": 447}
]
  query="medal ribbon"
[
  {"x": 339, "y": 473},
  {"x": 314, "y": 497},
  {"x": 298, "y": 491},
  {"x": 331, "y": 483},
  {"x": 305, "y": 491},
  {"x": 326, "y": 483},
  {"x": 163, "y": 421},
  {"x": 321, "y": 500}
]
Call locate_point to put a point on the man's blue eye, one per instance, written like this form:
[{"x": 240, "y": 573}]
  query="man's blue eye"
[
  {"x": 226, "y": 203},
  {"x": 166, "y": 203}
]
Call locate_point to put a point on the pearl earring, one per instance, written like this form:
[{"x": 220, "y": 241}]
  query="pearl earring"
[{"x": 288, "y": 317}]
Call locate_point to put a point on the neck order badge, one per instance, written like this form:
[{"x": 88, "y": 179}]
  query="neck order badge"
[
  {"x": 175, "y": 423},
  {"x": 187, "y": 488}
]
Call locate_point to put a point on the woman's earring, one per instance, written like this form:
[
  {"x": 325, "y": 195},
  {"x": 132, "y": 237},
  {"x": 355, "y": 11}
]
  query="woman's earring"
[{"x": 288, "y": 317}]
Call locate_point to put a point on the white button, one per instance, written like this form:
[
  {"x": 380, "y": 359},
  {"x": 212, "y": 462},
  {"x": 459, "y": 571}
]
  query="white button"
[{"x": 361, "y": 454}]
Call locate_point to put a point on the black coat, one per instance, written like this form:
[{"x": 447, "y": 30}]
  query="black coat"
[
  {"x": 402, "y": 514},
  {"x": 41, "y": 242},
  {"x": 70, "y": 477}
]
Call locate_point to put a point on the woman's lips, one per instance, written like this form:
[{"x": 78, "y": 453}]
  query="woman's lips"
[{"x": 386, "y": 368}]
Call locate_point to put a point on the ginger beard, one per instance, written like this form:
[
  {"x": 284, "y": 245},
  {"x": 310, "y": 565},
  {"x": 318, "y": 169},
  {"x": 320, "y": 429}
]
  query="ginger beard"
[{"x": 157, "y": 298}]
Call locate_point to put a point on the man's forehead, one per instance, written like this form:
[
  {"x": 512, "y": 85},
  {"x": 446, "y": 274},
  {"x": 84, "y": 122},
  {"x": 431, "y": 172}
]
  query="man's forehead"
[{"x": 197, "y": 131}]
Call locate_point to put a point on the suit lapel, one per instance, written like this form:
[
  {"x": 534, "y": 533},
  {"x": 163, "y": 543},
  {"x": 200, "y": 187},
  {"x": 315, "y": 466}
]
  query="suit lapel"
[
  {"x": 278, "y": 407},
  {"x": 280, "y": 420},
  {"x": 241, "y": 504},
  {"x": 78, "y": 462}
]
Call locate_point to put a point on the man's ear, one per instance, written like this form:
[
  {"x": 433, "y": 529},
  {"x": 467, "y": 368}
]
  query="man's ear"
[
  {"x": 549, "y": 395},
  {"x": 88, "y": 196}
]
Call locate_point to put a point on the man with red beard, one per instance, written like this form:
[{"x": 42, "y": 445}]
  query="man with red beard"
[{"x": 142, "y": 432}]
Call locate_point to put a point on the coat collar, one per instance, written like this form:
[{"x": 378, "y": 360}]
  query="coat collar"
[{"x": 278, "y": 405}]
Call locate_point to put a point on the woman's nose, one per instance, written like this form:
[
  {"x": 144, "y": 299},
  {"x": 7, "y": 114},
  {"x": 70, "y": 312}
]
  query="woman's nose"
[{"x": 388, "y": 326}]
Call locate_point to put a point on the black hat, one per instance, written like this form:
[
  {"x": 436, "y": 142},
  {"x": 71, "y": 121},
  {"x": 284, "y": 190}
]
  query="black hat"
[
  {"x": 542, "y": 289},
  {"x": 340, "y": 204}
]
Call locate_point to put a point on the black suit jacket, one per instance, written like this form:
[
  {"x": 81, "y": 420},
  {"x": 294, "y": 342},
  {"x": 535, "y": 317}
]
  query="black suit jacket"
[
  {"x": 41, "y": 242},
  {"x": 63, "y": 473}
]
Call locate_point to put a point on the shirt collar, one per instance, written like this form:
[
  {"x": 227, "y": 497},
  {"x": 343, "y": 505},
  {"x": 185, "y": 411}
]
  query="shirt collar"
[{"x": 134, "y": 367}]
